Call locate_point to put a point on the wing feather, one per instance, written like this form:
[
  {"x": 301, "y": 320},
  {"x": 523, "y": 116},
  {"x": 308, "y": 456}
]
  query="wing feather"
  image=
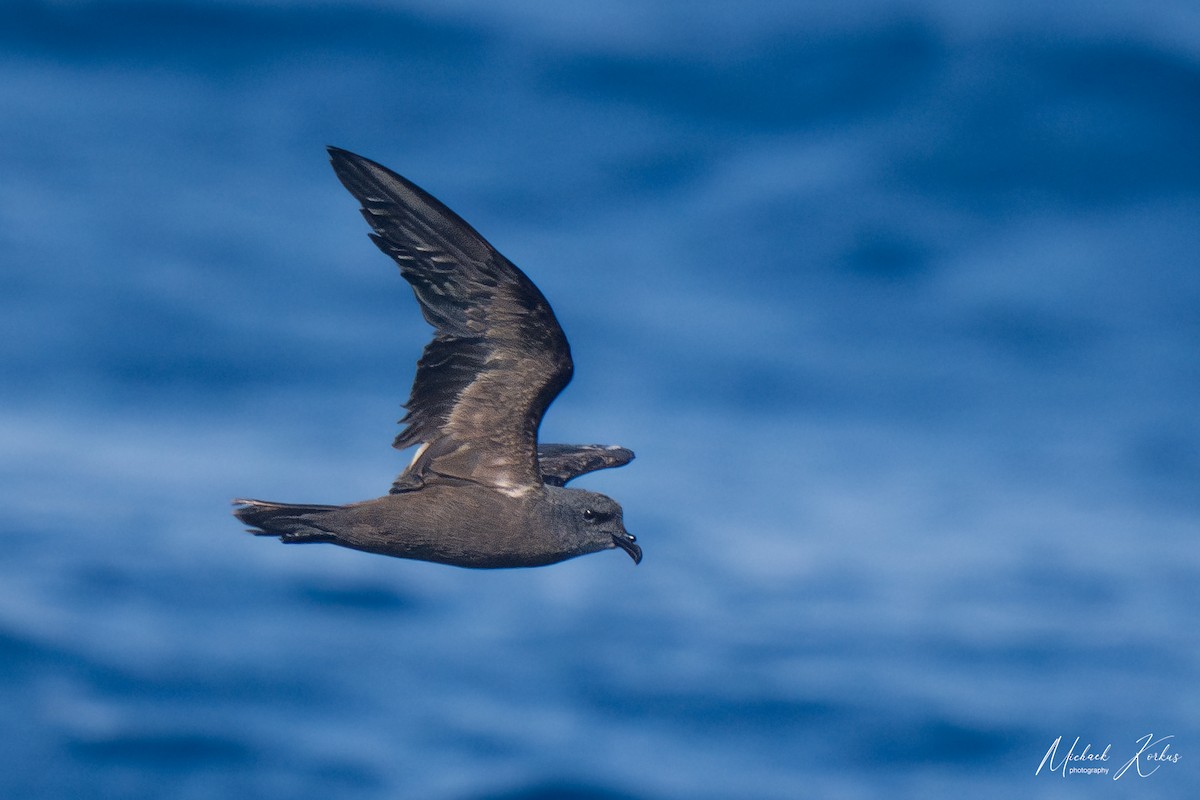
[
  {"x": 498, "y": 357},
  {"x": 561, "y": 463}
]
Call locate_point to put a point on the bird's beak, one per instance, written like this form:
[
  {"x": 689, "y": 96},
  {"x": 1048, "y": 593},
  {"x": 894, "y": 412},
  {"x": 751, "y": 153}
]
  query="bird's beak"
[{"x": 628, "y": 543}]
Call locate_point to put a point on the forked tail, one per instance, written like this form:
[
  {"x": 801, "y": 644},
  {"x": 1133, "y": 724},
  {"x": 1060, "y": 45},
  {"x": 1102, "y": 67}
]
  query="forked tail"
[{"x": 293, "y": 524}]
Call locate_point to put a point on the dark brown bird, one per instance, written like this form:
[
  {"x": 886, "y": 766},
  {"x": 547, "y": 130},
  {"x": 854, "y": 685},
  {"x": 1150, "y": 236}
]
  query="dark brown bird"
[{"x": 480, "y": 491}]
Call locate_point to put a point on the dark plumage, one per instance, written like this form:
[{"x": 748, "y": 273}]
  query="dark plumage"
[{"x": 480, "y": 491}]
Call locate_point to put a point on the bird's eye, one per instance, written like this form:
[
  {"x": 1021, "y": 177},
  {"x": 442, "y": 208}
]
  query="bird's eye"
[{"x": 590, "y": 515}]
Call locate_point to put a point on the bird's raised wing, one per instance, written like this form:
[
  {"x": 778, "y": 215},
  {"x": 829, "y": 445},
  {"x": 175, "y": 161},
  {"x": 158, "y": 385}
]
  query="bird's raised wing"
[
  {"x": 498, "y": 356},
  {"x": 564, "y": 462}
]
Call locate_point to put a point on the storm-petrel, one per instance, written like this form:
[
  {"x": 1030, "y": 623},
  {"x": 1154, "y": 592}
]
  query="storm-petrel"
[{"x": 480, "y": 491}]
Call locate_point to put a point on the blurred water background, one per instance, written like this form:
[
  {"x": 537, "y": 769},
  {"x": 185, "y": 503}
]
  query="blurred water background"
[{"x": 897, "y": 302}]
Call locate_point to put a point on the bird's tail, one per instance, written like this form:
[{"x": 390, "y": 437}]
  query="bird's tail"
[{"x": 293, "y": 524}]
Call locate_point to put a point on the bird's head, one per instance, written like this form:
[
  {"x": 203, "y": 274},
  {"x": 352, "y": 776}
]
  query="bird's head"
[{"x": 591, "y": 522}]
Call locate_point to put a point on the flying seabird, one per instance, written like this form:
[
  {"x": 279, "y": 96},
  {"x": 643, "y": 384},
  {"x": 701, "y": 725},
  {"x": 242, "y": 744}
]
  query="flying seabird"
[{"x": 480, "y": 491}]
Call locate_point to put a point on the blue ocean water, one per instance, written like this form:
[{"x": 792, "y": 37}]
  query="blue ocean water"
[{"x": 898, "y": 304}]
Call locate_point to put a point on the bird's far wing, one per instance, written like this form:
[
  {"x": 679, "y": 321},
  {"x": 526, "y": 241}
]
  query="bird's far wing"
[
  {"x": 498, "y": 356},
  {"x": 564, "y": 462},
  {"x": 560, "y": 463}
]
